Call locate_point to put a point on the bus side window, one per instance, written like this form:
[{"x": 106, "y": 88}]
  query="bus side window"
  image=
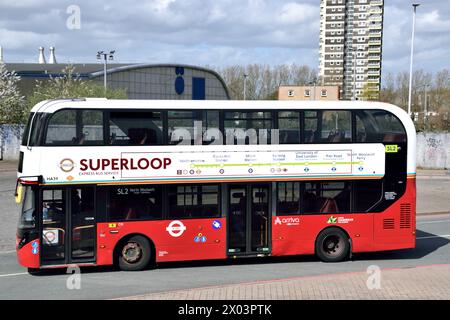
[
  {"x": 138, "y": 202},
  {"x": 378, "y": 126},
  {"x": 312, "y": 127},
  {"x": 135, "y": 128},
  {"x": 288, "y": 198},
  {"x": 248, "y": 127},
  {"x": 289, "y": 127},
  {"x": 62, "y": 128},
  {"x": 181, "y": 126},
  {"x": 193, "y": 201},
  {"x": 75, "y": 127},
  {"x": 327, "y": 197},
  {"x": 361, "y": 135},
  {"x": 336, "y": 126},
  {"x": 91, "y": 128},
  {"x": 367, "y": 194}
]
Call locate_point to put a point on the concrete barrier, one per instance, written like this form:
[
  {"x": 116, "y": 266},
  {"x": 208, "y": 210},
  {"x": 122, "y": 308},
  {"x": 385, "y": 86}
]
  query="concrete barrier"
[
  {"x": 9, "y": 143},
  {"x": 433, "y": 148}
]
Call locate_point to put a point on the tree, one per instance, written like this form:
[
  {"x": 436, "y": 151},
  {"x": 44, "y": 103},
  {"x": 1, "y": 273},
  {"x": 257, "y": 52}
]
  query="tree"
[
  {"x": 370, "y": 93},
  {"x": 12, "y": 103},
  {"x": 387, "y": 93},
  {"x": 70, "y": 85},
  {"x": 262, "y": 81}
]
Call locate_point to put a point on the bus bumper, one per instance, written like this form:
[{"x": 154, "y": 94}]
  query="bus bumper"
[{"x": 28, "y": 255}]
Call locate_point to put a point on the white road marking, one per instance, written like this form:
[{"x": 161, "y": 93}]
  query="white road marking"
[
  {"x": 13, "y": 274},
  {"x": 430, "y": 237},
  {"x": 435, "y": 221},
  {"x": 12, "y": 251}
]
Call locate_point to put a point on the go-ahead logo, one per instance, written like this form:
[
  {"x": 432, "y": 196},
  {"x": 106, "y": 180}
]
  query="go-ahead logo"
[
  {"x": 176, "y": 228},
  {"x": 66, "y": 165},
  {"x": 339, "y": 220},
  {"x": 332, "y": 220}
]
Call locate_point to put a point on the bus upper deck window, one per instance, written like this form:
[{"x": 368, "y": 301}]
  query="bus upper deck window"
[
  {"x": 75, "y": 127},
  {"x": 135, "y": 128},
  {"x": 378, "y": 126},
  {"x": 289, "y": 127},
  {"x": 327, "y": 126}
]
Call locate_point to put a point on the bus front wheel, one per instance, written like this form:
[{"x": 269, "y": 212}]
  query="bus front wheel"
[
  {"x": 134, "y": 254},
  {"x": 332, "y": 245}
]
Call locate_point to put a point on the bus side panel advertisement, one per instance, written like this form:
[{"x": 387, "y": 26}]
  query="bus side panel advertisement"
[{"x": 216, "y": 163}]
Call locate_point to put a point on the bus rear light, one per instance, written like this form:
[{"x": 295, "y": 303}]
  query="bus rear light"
[{"x": 35, "y": 180}]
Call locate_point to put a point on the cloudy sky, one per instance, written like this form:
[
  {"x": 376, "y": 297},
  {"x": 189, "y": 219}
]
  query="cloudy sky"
[{"x": 208, "y": 32}]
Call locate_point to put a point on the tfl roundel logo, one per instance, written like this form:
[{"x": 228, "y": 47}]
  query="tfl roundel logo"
[
  {"x": 176, "y": 228},
  {"x": 66, "y": 165}
]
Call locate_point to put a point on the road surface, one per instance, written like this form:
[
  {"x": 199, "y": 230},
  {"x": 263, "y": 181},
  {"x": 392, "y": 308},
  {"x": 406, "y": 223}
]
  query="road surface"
[{"x": 433, "y": 248}]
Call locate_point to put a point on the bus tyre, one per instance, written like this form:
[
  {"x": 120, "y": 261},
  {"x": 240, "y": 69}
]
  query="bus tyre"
[
  {"x": 332, "y": 245},
  {"x": 134, "y": 254},
  {"x": 34, "y": 271}
]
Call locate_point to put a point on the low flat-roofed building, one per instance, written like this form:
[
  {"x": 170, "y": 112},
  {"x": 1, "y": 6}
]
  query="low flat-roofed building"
[
  {"x": 141, "y": 81},
  {"x": 310, "y": 92}
]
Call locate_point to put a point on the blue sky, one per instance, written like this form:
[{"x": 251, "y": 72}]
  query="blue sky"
[{"x": 209, "y": 32}]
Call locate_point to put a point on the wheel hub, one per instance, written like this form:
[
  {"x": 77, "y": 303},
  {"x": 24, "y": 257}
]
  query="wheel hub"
[
  {"x": 332, "y": 245},
  {"x": 132, "y": 252}
]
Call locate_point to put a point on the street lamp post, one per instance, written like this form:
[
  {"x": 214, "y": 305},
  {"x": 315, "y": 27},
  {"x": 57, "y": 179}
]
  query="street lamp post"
[
  {"x": 415, "y": 5},
  {"x": 105, "y": 57}
]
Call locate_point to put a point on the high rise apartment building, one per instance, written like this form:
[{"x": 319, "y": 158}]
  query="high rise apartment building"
[{"x": 350, "y": 46}]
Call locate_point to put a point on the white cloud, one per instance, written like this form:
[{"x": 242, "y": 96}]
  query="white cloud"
[
  {"x": 432, "y": 21},
  {"x": 214, "y": 32},
  {"x": 294, "y": 13},
  {"x": 14, "y": 40}
]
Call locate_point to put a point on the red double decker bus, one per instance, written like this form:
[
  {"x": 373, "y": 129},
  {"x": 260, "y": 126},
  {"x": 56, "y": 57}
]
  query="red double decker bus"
[{"x": 138, "y": 182}]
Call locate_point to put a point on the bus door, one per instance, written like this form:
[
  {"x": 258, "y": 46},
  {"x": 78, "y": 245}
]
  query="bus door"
[
  {"x": 249, "y": 219},
  {"x": 68, "y": 228}
]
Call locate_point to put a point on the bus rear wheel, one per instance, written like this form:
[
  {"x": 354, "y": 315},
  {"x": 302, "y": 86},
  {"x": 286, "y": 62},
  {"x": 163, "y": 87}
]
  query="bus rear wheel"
[
  {"x": 332, "y": 245},
  {"x": 134, "y": 254}
]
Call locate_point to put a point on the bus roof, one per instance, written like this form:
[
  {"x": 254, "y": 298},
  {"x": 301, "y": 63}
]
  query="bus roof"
[{"x": 51, "y": 106}]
